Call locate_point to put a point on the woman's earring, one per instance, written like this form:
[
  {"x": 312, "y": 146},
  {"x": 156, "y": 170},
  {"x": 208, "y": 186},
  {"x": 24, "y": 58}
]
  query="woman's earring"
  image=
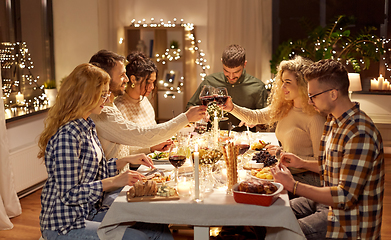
[{"x": 132, "y": 86}]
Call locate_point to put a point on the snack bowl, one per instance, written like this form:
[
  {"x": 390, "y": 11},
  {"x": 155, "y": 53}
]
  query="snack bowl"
[{"x": 256, "y": 198}]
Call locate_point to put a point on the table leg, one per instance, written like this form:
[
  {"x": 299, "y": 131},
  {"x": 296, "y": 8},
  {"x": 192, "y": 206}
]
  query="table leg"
[{"x": 201, "y": 233}]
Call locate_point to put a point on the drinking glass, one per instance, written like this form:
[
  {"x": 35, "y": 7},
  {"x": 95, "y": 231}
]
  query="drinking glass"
[
  {"x": 221, "y": 98},
  {"x": 207, "y": 95},
  {"x": 243, "y": 143},
  {"x": 177, "y": 157}
]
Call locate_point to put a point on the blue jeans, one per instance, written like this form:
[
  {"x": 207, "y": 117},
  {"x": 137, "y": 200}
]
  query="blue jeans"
[
  {"x": 312, "y": 217},
  {"x": 139, "y": 231}
]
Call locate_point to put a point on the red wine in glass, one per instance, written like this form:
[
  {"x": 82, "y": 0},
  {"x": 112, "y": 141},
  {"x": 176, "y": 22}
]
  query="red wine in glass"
[
  {"x": 243, "y": 148},
  {"x": 221, "y": 99},
  {"x": 206, "y": 100},
  {"x": 177, "y": 160}
]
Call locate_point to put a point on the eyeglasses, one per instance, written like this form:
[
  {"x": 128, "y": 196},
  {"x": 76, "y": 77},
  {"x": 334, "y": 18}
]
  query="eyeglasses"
[
  {"x": 105, "y": 96},
  {"x": 312, "y": 96}
]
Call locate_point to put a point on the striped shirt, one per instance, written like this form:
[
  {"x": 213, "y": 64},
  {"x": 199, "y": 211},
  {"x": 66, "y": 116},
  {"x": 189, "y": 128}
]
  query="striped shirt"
[
  {"x": 352, "y": 164},
  {"x": 73, "y": 189}
]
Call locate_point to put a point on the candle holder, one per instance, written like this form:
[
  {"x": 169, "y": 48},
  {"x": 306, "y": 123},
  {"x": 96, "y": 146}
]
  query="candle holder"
[{"x": 184, "y": 186}]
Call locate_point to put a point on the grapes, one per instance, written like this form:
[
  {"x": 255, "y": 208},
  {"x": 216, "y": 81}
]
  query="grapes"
[{"x": 265, "y": 158}]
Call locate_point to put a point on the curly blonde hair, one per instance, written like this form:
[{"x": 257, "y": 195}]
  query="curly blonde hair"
[
  {"x": 278, "y": 106},
  {"x": 79, "y": 94}
]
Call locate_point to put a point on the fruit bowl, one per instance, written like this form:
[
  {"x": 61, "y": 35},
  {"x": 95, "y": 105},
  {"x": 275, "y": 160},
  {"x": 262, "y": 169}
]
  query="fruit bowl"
[{"x": 256, "y": 198}]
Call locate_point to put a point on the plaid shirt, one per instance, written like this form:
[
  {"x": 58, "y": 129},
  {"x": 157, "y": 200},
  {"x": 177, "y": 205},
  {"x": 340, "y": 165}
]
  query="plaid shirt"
[
  {"x": 352, "y": 164},
  {"x": 73, "y": 189}
]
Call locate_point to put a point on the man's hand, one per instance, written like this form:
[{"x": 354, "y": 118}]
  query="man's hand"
[{"x": 282, "y": 175}]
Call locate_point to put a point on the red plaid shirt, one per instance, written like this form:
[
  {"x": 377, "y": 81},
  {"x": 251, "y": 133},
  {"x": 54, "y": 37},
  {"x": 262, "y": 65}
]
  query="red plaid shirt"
[{"x": 352, "y": 164}]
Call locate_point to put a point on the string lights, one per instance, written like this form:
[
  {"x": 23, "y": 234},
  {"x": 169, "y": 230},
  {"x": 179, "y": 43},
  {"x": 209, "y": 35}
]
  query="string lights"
[
  {"x": 21, "y": 92},
  {"x": 174, "y": 54},
  {"x": 386, "y": 54}
]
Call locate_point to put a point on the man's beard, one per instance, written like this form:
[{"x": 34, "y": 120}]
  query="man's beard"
[{"x": 118, "y": 91}]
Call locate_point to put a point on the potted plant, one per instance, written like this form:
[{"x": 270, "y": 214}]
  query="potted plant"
[
  {"x": 50, "y": 91},
  {"x": 334, "y": 41}
]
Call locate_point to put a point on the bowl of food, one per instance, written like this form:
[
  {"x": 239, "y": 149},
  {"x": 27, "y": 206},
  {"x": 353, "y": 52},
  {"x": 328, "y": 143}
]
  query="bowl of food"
[{"x": 257, "y": 192}]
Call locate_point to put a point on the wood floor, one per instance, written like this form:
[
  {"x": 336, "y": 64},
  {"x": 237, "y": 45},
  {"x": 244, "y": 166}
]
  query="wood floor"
[{"x": 26, "y": 226}]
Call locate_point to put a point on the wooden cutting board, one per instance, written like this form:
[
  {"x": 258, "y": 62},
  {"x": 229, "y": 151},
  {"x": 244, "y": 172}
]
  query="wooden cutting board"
[{"x": 151, "y": 198}]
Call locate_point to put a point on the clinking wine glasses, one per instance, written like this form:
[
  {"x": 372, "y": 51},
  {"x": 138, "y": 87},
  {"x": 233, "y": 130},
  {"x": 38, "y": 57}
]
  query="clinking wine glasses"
[{"x": 210, "y": 94}]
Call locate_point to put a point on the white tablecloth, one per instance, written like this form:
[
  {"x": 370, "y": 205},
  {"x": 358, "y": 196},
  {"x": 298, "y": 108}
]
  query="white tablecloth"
[{"x": 217, "y": 209}]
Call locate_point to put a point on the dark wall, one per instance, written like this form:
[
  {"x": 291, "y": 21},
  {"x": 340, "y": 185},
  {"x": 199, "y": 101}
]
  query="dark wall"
[{"x": 288, "y": 16}]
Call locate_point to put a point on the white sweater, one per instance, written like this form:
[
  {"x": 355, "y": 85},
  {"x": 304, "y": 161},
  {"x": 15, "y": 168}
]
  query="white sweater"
[{"x": 113, "y": 130}]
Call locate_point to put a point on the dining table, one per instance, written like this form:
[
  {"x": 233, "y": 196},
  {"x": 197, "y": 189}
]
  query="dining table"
[{"x": 217, "y": 209}]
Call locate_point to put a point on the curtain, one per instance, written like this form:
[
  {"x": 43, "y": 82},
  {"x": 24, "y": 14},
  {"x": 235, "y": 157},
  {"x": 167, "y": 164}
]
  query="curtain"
[
  {"x": 244, "y": 22},
  {"x": 9, "y": 201}
]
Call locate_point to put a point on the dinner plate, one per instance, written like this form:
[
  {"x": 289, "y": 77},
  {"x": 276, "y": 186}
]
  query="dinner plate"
[{"x": 155, "y": 159}]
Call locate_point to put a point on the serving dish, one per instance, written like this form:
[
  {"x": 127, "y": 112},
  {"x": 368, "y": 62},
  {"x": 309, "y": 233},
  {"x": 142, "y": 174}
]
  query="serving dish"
[{"x": 256, "y": 198}]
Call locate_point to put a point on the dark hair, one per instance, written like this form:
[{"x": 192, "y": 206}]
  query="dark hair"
[
  {"x": 331, "y": 73},
  {"x": 106, "y": 60},
  {"x": 141, "y": 67},
  {"x": 234, "y": 56}
]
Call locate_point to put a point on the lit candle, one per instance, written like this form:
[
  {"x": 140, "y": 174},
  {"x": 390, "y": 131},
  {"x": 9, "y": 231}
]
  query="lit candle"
[
  {"x": 216, "y": 130},
  {"x": 183, "y": 188},
  {"x": 196, "y": 173},
  {"x": 381, "y": 81},
  {"x": 374, "y": 84},
  {"x": 386, "y": 85},
  {"x": 224, "y": 174},
  {"x": 19, "y": 98}
]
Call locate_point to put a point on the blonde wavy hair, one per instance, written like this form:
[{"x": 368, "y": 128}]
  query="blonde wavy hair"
[
  {"x": 79, "y": 94},
  {"x": 279, "y": 107}
]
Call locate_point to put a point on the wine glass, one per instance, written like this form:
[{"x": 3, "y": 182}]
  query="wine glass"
[
  {"x": 221, "y": 98},
  {"x": 243, "y": 143},
  {"x": 207, "y": 95},
  {"x": 177, "y": 157}
]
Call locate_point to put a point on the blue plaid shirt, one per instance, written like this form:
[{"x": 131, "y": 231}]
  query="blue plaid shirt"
[{"x": 73, "y": 189}]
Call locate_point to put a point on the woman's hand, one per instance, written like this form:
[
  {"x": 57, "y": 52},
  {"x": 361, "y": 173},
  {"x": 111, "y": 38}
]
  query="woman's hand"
[
  {"x": 196, "y": 113},
  {"x": 139, "y": 158},
  {"x": 228, "y": 106},
  {"x": 164, "y": 146},
  {"x": 272, "y": 149},
  {"x": 126, "y": 178},
  {"x": 247, "y": 125}
]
